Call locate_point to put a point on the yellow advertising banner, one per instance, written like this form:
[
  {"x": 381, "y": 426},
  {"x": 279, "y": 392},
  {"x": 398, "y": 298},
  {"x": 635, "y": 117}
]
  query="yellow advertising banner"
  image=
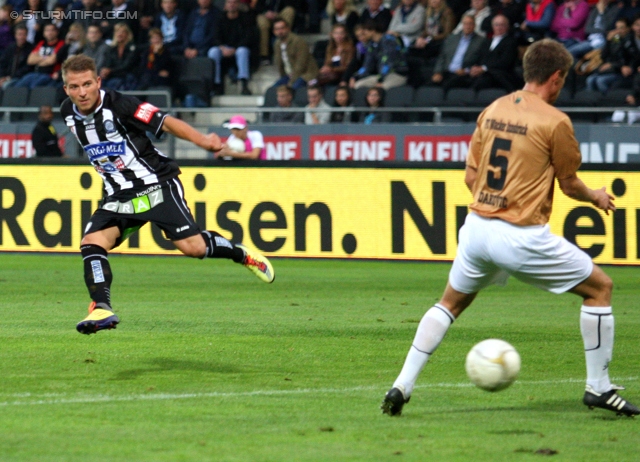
[{"x": 370, "y": 213}]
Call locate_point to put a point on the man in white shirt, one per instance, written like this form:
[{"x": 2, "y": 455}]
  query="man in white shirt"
[{"x": 313, "y": 116}]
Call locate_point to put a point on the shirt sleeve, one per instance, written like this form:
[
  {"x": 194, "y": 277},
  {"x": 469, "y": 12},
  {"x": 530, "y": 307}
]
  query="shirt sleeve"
[
  {"x": 475, "y": 147},
  {"x": 257, "y": 140},
  {"x": 565, "y": 152},
  {"x": 143, "y": 116}
]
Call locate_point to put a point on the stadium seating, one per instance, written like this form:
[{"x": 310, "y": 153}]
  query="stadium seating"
[
  {"x": 399, "y": 97},
  {"x": 429, "y": 96},
  {"x": 196, "y": 75},
  {"x": 15, "y": 97}
]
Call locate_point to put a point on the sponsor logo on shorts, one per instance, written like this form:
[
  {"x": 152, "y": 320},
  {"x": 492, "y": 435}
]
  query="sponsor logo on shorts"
[
  {"x": 184, "y": 228},
  {"x": 136, "y": 205},
  {"x": 149, "y": 190},
  {"x": 145, "y": 112}
]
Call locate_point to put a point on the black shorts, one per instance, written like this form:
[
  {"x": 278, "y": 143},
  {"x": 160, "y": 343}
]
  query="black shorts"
[{"x": 162, "y": 204}]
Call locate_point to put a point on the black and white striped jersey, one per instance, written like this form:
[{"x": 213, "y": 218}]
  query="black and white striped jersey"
[{"x": 115, "y": 141}]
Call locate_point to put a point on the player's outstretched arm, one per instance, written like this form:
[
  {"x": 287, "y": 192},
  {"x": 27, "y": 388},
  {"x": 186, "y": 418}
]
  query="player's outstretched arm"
[
  {"x": 575, "y": 188},
  {"x": 177, "y": 127}
]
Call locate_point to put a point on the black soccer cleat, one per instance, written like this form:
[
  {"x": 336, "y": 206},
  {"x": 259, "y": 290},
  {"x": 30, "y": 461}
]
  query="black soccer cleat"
[
  {"x": 610, "y": 401},
  {"x": 393, "y": 401}
]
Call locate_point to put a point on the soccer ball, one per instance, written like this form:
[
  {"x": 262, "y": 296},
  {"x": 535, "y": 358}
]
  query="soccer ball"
[
  {"x": 493, "y": 364},
  {"x": 236, "y": 144}
]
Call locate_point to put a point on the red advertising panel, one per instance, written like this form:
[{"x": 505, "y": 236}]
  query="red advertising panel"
[
  {"x": 352, "y": 147},
  {"x": 436, "y": 148},
  {"x": 16, "y": 145},
  {"x": 283, "y": 147}
]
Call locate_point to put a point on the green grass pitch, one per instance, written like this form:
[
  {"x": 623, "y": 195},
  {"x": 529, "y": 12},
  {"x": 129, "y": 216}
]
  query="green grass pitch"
[{"x": 209, "y": 364}]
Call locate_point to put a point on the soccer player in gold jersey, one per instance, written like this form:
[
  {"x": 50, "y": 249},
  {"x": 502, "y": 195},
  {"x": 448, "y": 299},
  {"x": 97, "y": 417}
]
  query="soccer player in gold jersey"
[{"x": 520, "y": 146}]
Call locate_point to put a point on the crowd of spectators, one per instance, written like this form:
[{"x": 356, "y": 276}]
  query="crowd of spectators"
[{"x": 450, "y": 43}]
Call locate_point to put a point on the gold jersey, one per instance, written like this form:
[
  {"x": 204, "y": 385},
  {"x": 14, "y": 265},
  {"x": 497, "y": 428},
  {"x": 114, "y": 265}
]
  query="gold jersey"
[{"x": 520, "y": 144}]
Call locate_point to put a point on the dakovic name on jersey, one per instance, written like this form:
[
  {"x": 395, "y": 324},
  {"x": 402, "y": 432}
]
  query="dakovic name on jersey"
[{"x": 105, "y": 148}]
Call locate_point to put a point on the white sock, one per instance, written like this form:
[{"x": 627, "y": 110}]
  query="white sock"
[
  {"x": 596, "y": 325},
  {"x": 431, "y": 331}
]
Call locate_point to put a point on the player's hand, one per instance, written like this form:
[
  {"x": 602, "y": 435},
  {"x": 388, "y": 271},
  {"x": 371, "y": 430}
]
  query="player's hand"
[
  {"x": 603, "y": 200},
  {"x": 212, "y": 142}
]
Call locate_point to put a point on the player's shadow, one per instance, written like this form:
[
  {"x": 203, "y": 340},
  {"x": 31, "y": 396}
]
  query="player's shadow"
[{"x": 167, "y": 364}]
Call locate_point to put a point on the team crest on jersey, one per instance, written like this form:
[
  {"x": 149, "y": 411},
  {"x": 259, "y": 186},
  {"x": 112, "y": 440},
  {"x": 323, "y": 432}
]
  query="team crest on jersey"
[
  {"x": 109, "y": 126},
  {"x": 145, "y": 112}
]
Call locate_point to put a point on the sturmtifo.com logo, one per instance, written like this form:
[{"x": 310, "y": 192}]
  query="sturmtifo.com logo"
[{"x": 76, "y": 15}]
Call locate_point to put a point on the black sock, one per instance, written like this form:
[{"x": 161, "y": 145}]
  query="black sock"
[
  {"x": 219, "y": 247},
  {"x": 97, "y": 273}
]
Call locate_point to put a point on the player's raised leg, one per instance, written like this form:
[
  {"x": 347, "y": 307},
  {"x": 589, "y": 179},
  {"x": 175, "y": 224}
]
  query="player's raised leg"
[{"x": 210, "y": 244}]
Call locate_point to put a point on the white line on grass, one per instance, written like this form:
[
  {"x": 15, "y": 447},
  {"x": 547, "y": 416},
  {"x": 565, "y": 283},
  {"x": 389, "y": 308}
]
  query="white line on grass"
[{"x": 241, "y": 394}]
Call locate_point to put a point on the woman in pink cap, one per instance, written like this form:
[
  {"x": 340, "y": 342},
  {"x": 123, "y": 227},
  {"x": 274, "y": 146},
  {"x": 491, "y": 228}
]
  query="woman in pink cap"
[{"x": 253, "y": 140}]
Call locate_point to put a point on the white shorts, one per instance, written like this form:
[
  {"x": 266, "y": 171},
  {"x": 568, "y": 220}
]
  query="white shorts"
[{"x": 491, "y": 250}]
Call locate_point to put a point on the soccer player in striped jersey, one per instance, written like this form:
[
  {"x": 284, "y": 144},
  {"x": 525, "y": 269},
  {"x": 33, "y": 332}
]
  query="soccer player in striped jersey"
[
  {"x": 520, "y": 146},
  {"x": 141, "y": 184}
]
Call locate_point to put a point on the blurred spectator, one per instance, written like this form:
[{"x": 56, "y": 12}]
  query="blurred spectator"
[
  {"x": 408, "y": 21},
  {"x": 95, "y": 47},
  {"x": 495, "y": 68},
  {"x": 119, "y": 12},
  {"x": 200, "y": 29},
  {"x": 385, "y": 63},
  {"x": 341, "y": 99},
  {"x": 13, "y": 62},
  {"x": 235, "y": 34},
  {"x": 44, "y": 59},
  {"x": 313, "y": 115},
  {"x": 629, "y": 9},
  {"x": 376, "y": 11},
  {"x": 91, "y": 11},
  {"x": 6, "y": 27},
  {"x": 252, "y": 139},
  {"x": 601, "y": 20},
  {"x": 339, "y": 54},
  {"x": 171, "y": 22},
  {"x": 358, "y": 58},
  {"x": 512, "y": 9},
  {"x": 292, "y": 57},
  {"x": 44, "y": 136},
  {"x": 147, "y": 10},
  {"x": 616, "y": 60},
  {"x": 633, "y": 49},
  {"x": 315, "y": 11},
  {"x": 17, "y": 5},
  {"x": 57, "y": 18},
  {"x": 569, "y": 22},
  {"x": 34, "y": 26},
  {"x": 439, "y": 22},
  {"x": 267, "y": 12},
  {"x": 459, "y": 52},
  {"x": 121, "y": 61},
  {"x": 537, "y": 21},
  {"x": 285, "y": 100},
  {"x": 343, "y": 12},
  {"x": 375, "y": 100},
  {"x": 479, "y": 11},
  {"x": 75, "y": 40},
  {"x": 155, "y": 63}
]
